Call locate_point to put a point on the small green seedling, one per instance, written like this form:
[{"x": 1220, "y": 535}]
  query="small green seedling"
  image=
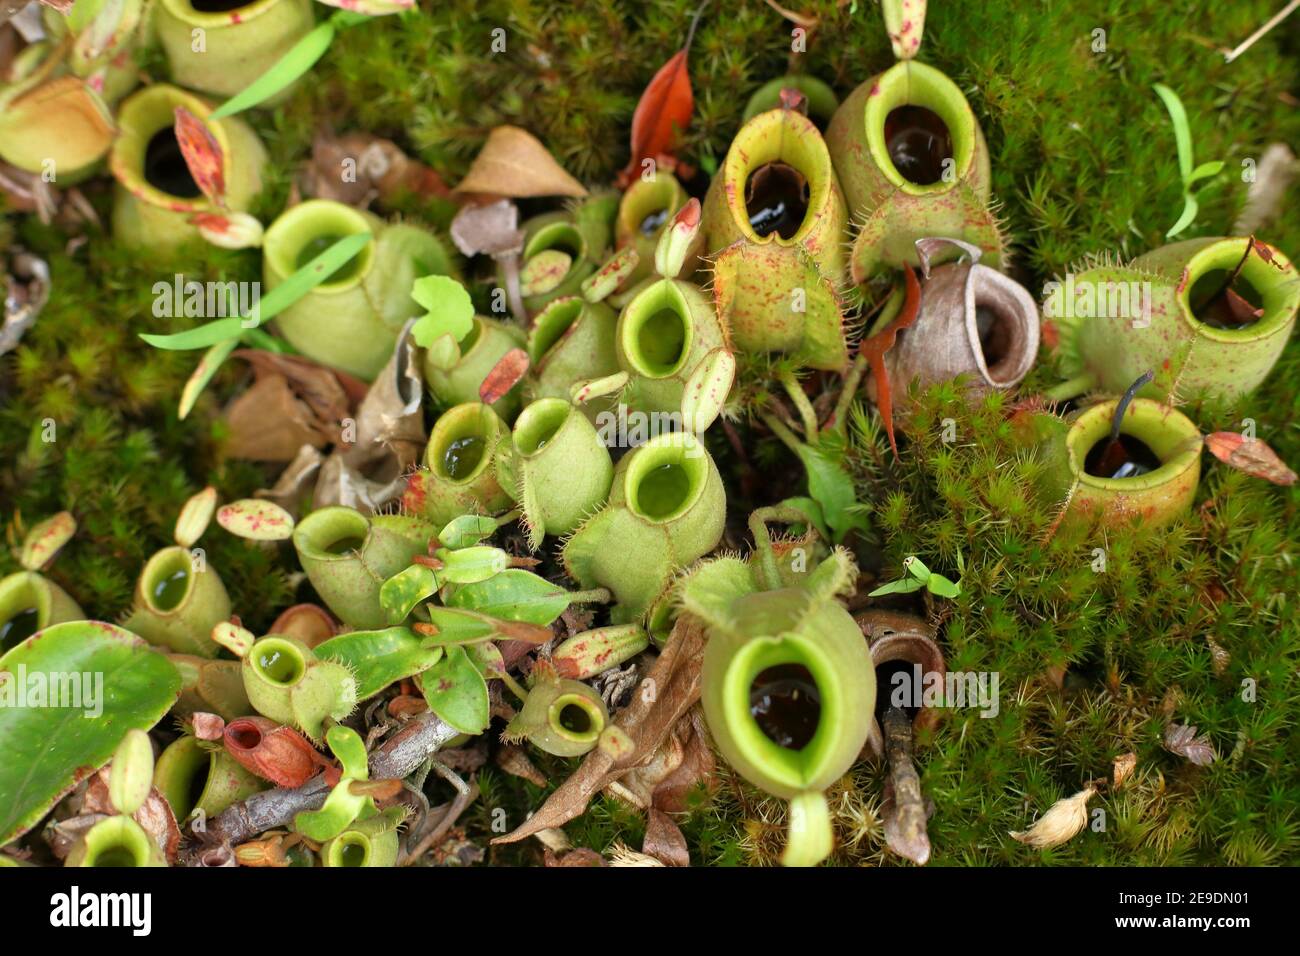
[{"x": 919, "y": 576}]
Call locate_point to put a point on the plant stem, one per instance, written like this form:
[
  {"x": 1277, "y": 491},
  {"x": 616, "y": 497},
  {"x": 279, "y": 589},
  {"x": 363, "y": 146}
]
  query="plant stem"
[
  {"x": 807, "y": 413},
  {"x": 780, "y": 431},
  {"x": 1070, "y": 388},
  {"x": 849, "y": 389}
]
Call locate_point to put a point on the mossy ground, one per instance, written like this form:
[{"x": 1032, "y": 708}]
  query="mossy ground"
[{"x": 1083, "y": 161}]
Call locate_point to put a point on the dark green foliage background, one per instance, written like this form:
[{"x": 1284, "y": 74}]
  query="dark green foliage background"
[{"x": 1083, "y": 161}]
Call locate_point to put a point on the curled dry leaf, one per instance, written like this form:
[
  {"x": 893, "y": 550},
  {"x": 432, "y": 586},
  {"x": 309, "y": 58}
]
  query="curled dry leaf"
[
  {"x": 662, "y": 113},
  {"x": 47, "y": 539},
  {"x": 505, "y": 375},
  {"x": 1250, "y": 455},
  {"x": 154, "y": 816},
  {"x": 379, "y": 170},
  {"x": 1274, "y": 173},
  {"x": 669, "y": 691},
  {"x": 873, "y": 349},
  {"x": 1182, "y": 740},
  {"x": 195, "y": 516},
  {"x": 620, "y": 854},
  {"x": 1122, "y": 768},
  {"x": 257, "y": 520},
  {"x": 664, "y": 840},
  {"x": 1060, "y": 824},
  {"x": 26, "y": 292},
  {"x": 514, "y": 760},
  {"x": 514, "y": 163}
]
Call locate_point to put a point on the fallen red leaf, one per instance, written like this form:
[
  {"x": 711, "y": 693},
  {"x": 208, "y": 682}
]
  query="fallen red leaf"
[
  {"x": 663, "y": 112},
  {"x": 874, "y": 349},
  {"x": 504, "y": 376},
  {"x": 1250, "y": 455}
]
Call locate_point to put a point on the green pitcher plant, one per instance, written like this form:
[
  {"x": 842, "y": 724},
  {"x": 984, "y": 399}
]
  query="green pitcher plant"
[
  {"x": 30, "y": 601},
  {"x": 1210, "y": 316},
  {"x": 788, "y": 684}
]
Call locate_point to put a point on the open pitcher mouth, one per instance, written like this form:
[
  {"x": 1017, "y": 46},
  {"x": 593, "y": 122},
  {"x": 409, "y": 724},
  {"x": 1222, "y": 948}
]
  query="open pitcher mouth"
[
  {"x": 352, "y": 848},
  {"x": 330, "y": 533},
  {"x": 779, "y": 697},
  {"x": 666, "y": 476},
  {"x": 146, "y": 157},
  {"x": 460, "y": 448},
  {"x": 278, "y": 661},
  {"x": 539, "y": 423},
  {"x": 777, "y": 174},
  {"x": 1156, "y": 444},
  {"x": 575, "y": 718},
  {"x": 648, "y": 205},
  {"x": 210, "y": 13},
  {"x": 182, "y": 775},
  {"x": 1234, "y": 297},
  {"x": 550, "y": 255},
  {"x": 308, "y": 229},
  {"x": 920, "y": 129},
  {"x": 24, "y": 610},
  {"x": 552, "y": 325},
  {"x": 656, "y": 331},
  {"x": 117, "y": 842},
  {"x": 168, "y": 580}
]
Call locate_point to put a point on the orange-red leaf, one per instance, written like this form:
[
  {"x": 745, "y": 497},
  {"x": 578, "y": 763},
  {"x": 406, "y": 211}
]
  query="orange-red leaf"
[
  {"x": 874, "y": 349},
  {"x": 504, "y": 376},
  {"x": 202, "y": 155},
  {"x": 663, "y": 112},
  {"x": 1250, "y": 455}
]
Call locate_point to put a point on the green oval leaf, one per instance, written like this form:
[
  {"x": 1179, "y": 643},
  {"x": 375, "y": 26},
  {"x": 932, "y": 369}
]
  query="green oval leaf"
[
  {"x": 456, "y": 692},
  {"x": 466, "y": 530},
  {"x": 471, "y": 565},
  {"x": 513, "y": 595},
  {"x": 379, "y": 658},
  {"x": 113, "y": 681}
]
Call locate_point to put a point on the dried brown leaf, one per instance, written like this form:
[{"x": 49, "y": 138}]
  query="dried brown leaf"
[
  {"x": 1060, "y": 824},
  {"x": 514, "y": 163},
  {"x": 664, "y": 840},
  {"x": 1250, "y": 455},
  {"x": 154, "y": 816},
  {"x": 1122, "y": 768},
  {"x": 1181, "y": 739}
]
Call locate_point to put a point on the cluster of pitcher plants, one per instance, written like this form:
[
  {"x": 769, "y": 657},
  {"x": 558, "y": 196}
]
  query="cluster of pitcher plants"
[{"x": 842, "y": 250}]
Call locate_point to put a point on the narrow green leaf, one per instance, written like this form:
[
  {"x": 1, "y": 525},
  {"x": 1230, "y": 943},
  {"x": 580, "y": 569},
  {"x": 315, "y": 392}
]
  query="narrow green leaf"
[
  {"x": 1204, "y": 171},
  {"x": 1190, "y": 208},
  {"x": 272, "y": 304},
  {"x": 300, "y": 58},
  {"x": 941, "y": 586},
  {"x": 901, "y": 586},
  {"x": 830, "y": 485},
  {"x": 1182, "y": 131},
  {"x": 916, "y": 568}
]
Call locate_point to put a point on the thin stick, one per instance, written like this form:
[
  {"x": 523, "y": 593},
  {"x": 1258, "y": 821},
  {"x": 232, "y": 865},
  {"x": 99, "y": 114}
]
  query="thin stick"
[
  {"x": 780, "y": 431},
  {"x": 1250, "y": 40}
]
